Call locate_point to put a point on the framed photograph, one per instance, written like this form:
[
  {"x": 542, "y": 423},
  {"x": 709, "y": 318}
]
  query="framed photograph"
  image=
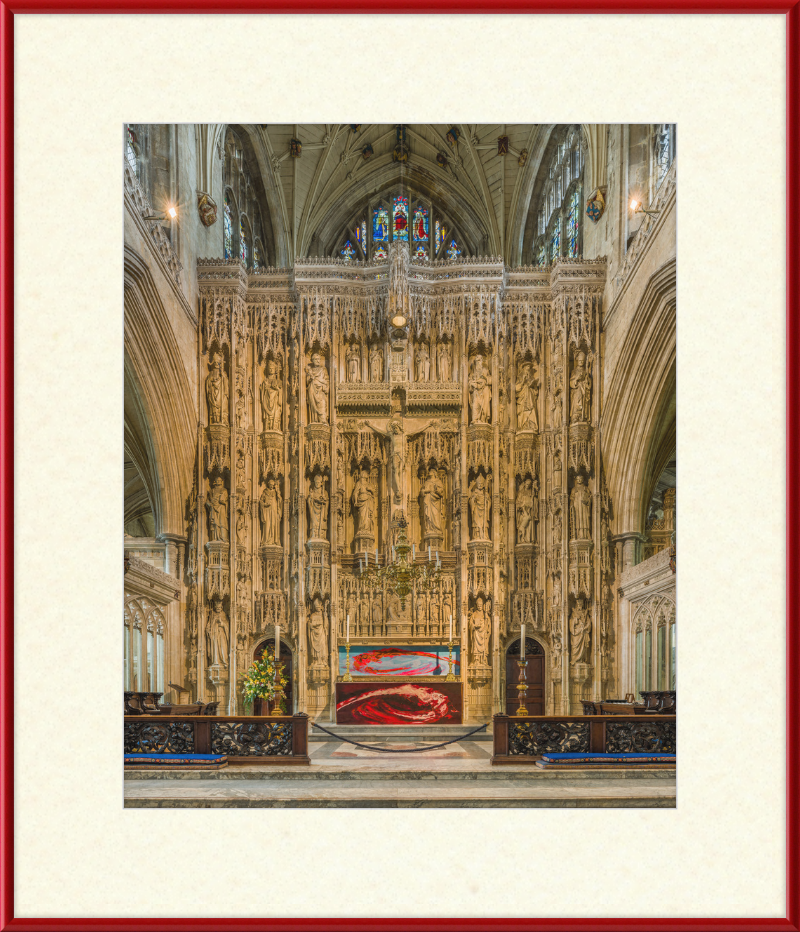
[{"x": 387, "y": 417}]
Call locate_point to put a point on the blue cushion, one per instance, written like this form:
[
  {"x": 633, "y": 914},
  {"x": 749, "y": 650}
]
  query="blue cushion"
[
  {"x": 622, "y": 758},
  {"x": 175, "y": 758}
]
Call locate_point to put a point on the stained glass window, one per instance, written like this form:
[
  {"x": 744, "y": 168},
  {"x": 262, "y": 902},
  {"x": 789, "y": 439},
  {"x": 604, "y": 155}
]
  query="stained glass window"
[
  {"x": 361, "y": 236},
  {"x": 242, "y": 241},
  {"x": 555, "y": 243},
  {"x": 420, "y": 252},
  {"x": 665, "y": 149},
  {"x": 400, "y": 218},
  {"x": 130, "y": 151},
  {"x": 380, "y": 251},
  {"x": 380, "y": 225},
  {"x": 421, "y": 225},
  {"x": 541, "y": 256},
  {"x": 349, "y": 252},
  {"x": 440, "y": 235},
  {"x": 453, "y": 251},
  {"x": 256, "y": 256},
  {"x": 573, "y": 223},
  {"x": 228, "y": 228}
]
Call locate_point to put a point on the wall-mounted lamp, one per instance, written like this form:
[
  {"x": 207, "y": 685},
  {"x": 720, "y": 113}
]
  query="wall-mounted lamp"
[
  {"x": 171, "y": 214},
  {"x": 637, "y": 208}
]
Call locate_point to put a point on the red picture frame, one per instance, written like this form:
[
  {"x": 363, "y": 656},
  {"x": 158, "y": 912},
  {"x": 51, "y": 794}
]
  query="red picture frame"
[{"x": 791, "y": 920}]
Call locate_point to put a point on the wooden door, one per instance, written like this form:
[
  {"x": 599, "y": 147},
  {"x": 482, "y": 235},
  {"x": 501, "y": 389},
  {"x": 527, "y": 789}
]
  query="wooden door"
[
  {"x": 534, "y": 702},
  {"x": 286, "y": 660}
]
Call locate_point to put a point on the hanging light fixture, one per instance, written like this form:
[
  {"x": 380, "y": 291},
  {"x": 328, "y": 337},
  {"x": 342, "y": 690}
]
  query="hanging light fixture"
[{"x": 401, "y": 575}]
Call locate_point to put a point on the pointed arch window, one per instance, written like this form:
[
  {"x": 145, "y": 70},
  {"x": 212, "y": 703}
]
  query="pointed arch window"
[
  {"x": 664, "y": 153},
  {"x": 559, "y": 217},
  {"x": 243, "y": 241},
  {"x": 361, "y": 236},
  {"x": 441, "y": 235},
  {"x": 400, "y": 219},
  {"x": 453, "y": 250},
  {"x": 227, "y": 224},
  {"x": 349, "y": 252},
  {"x": 130, "y": 150},
  {"x": 573, "y": 223},
  {"x": 257, "y": 253},
  {"x": 555, "y": 243}
]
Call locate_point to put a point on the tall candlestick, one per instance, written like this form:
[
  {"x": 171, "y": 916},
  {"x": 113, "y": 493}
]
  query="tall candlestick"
[
  {"x": 522, "y": 641},
  {"x": 277, "y": 642},
  {"x": 413, "y": 554},
  {"x": 451, "y": 627},
  {"x": 429, "y": 553},
  {"x": 376, "y": 556},
  {"x": 347, "y": 635}
]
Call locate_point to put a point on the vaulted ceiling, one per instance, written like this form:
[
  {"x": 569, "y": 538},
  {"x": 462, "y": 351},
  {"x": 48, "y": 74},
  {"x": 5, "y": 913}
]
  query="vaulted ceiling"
[{"x": 313, "y": 197}]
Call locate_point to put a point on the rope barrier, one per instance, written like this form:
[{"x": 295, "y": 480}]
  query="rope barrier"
[{"x": 431, "y": 747}]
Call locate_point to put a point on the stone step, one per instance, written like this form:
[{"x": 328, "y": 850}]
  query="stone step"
[
  {"x": 271, "y": 793},
  {"x": 425, "y": 734},
  {"x": 381, "y": 770}
]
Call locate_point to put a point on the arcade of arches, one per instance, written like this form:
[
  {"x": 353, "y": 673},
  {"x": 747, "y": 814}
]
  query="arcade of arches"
[{"x": 335, "y": 332}]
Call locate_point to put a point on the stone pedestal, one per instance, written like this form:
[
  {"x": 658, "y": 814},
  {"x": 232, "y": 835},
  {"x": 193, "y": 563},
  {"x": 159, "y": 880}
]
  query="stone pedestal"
[
  {"x": 270, "y": 455},
  {"x": 271, "y": 567},
  {"x": 318, "y": 569},
  {"x": 217, "y": 569},
  {"x": 480, "y": 573}
]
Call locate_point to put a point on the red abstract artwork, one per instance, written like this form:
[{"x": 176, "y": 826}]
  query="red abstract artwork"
[{"x": 398, "y": 704}]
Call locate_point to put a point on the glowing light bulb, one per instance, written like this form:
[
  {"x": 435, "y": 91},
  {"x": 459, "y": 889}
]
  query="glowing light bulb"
[
  {"x": 172, "y": 212},
  {"x": 634, "y": 205}
]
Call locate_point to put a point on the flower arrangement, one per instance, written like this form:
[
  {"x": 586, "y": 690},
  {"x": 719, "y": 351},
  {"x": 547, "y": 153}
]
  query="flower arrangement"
[{"x": 264, "y": 680}]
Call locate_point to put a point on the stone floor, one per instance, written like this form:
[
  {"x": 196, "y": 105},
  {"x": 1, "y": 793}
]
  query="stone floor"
[{"x": 344, "y": 776}]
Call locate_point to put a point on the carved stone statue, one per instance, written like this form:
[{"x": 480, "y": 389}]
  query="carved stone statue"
[
  {"x": 362, "y": 501},
  {"x": 581, "y": 504},
  {"x": 480, "y": 393},
  {"x": 534, "y": 508},
  {"x": 217, "y": 392},
  {"x": 480, "y": 498},
  {"x": 423, "y": 363},
  {"x": 421, "y": 613},
  {"x": 580, "y": 383},
  {"x": 525, "y": 513},
  {"x": 432, "y": 502},
  {"x": 318, "y": 632},
  {"x": 271, "y": 398},
  {"x": 217, "y": 507},
  {"x": 479, "y": 634},
  {"x": 580, "y": 631},
  {"x": 270, "y": 509},
  {"x": 375, "y": 363},
  {"x": 217, "y": 633},
  {"x": 317, "y": 510},
  {"x": 353, "y": 363},
  {"x": 527, "y": 388},
  {"x": 241, "y": 525},
  {"x": 317, "y": 387},
  {"x": 445, "y": 362}
]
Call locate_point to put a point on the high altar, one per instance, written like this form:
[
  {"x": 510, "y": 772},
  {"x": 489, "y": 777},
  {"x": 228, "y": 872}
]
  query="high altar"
[{"x": 339, "y": 400}]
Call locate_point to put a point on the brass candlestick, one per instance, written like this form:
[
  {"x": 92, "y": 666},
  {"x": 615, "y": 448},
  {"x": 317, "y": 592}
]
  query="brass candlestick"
[
  {"x": 347, "y": 678},
  {"x": 522, "y": 686},
  {"x": 450, "y": 678}
]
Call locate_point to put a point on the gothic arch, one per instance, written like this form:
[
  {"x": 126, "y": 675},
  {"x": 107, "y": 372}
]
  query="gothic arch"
[
  {"x": 159, "y": 409},
  {"x": 639, "y": 418}
]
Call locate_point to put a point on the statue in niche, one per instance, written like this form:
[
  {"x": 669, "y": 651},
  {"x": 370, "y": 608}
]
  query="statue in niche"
[
  {"x": 217, "y": 392},
  {"x": 421, "y": 614},
  {"x": 317, "y": 510},
  {"x": 217, "y": 635},
  {"x": 555, "y": 402},
  {"x": 217, "y": 507},
  {"x": 376, "y": 363},
  {"x": 241, "y": 412},
  {"x": 432, "y": 502},
  {"x": 435, "y": 617},
  {"x": 445, "y": 362},
  {"x": 271, "y": 398},
  {"x": 557, "y": 469},
  {"x": 557, "y": 527},
  {"x": 447, "y": 611},
  {"x": 396, "y": 615},
  {"x": 480, "y": 392},
  {"x": 241, "y": 526},
  {"x": 363, "y": 615},
  {"x": 317, "y": 387},
  {"x": 581, "y": 504},
  {"x": 318, "y": 632},
  {"x": 525, "y": 513},
  {"x": 353, "y": 363},
  {"x": 527, "y": 398},
  {"x": 479, "y": 634},
  {"x": 580, "y": 383},
  {"x": 423, "y": 362},
  {"x": 351, "y": 608},
  {"x": 362, "y": 502},
  {"x": 534, "y": 508},
  {"x": 240, "y": 468},
  {"x": 377, "y": 615},
  {"x": 270, "y": 510},
  {"x": 395, "y": 427},
  {"x": 580, "y": 632},
  {"x": 480, "y": 498}
]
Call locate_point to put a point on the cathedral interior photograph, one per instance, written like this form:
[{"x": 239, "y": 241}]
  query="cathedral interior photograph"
[{"x": 399, "y": 465}]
